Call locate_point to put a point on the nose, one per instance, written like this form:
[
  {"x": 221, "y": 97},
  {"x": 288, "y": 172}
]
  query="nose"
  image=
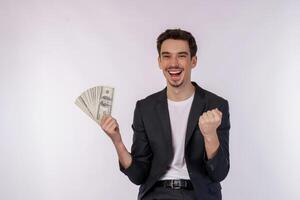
[{"x": 174, "y": 61}]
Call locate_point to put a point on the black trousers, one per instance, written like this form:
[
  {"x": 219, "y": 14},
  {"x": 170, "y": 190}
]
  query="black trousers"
[{"x": 162, "y": 193}]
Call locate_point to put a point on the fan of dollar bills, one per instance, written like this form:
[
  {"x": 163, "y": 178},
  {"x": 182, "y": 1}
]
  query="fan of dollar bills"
[{"x": 96, "y": 102}]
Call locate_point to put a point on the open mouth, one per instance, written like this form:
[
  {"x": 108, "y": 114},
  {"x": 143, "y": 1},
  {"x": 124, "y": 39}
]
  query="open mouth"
[{"x": 175, "y": 73}]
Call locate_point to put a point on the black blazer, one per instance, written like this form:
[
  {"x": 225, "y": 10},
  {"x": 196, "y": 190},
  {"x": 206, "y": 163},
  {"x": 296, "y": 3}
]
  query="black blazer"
[{"x": 152, "y": 150}]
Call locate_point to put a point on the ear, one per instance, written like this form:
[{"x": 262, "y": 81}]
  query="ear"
[
  {"x": 159, "y": 62},
  {"x": 194, "y": 61}
]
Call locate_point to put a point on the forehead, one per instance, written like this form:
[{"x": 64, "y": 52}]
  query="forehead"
[{"x": 174, "y": 46}]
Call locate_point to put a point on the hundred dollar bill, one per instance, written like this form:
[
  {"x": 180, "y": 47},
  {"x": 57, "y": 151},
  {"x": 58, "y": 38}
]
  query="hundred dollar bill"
[{"x": 96, "y": 102}]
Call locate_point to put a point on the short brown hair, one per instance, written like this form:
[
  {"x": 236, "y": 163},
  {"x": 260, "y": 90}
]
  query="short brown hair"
[{"x": 177, "y": 34}]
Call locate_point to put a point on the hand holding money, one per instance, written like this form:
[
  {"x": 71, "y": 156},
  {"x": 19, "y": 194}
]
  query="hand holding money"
[
  {"x": 111, "y": 127},
  {"x": 97, "y": 102}
]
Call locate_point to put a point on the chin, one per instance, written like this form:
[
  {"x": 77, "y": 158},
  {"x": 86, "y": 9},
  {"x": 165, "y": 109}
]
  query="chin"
[{"x": 176, "y": 84}]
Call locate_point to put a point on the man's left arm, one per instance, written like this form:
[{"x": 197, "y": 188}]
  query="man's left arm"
[{"x": 214, "y": 125}]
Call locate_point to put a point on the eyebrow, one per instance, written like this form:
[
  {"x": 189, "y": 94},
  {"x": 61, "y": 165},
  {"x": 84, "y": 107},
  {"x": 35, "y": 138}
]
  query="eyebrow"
[
  {"x": 181, "y": 52},
  {"x": 165, "y": 52}
]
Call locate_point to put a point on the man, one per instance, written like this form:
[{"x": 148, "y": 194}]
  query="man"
[{"x": 180, "y": 144}]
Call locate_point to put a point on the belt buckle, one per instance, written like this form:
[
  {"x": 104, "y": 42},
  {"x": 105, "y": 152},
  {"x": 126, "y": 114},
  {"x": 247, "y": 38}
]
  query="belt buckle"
[{"x": 175, "y": 184}]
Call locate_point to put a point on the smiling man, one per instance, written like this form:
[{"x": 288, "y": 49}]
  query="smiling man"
[{"x": 180, "y": 144}]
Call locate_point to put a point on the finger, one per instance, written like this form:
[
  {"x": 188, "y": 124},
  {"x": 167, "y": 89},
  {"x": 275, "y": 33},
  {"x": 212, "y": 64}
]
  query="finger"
[
  {"x": 201, "y": 119},
  {"x": 217, "y": 115},
  {"x": 107, "y": 121},
  {"x": 113, "y": 127},
  {"x": 210, "y": 115},
  {"x": 111, "y": 124},
  {"x": 104, "y": 118},
  {"x": 205, "y": 117},
  {"x": 218, "y": 111}
]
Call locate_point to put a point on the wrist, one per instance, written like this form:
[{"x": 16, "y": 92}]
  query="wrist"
[
  {"x": 210, "y": 136},
  {"x": 117, "y": 141}
]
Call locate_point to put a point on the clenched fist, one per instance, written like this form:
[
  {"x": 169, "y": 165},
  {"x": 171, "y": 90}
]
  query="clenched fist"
[
  {"x": 111, "y": 127},
  {"x": 209, "y": 122}
]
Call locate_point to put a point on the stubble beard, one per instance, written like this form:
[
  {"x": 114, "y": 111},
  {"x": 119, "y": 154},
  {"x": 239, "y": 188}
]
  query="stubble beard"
[{"x": 176, "y": 85}]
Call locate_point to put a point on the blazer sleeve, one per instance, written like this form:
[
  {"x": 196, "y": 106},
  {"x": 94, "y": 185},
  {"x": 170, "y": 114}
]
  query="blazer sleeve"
[
  {"x": 218, "y": 167},
  {"x": 141, "y": 152}
]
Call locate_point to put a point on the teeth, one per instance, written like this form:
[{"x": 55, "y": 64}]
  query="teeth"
[{"x": 175, "y": 72}]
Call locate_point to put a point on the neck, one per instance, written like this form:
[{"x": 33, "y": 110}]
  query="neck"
[{"x": 180, "y": 93}]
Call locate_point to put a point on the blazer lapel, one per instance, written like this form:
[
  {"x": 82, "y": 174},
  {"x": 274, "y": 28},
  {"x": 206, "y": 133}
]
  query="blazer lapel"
[
  {"x": 197, "y": 109},
  {"x": 164, "y": 118}
]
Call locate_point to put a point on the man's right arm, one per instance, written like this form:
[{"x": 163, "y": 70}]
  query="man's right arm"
[
  {"x": 125, "y": 158},
  {"x": 135, "y": 165},
  {"x": 110, "y": 126}
]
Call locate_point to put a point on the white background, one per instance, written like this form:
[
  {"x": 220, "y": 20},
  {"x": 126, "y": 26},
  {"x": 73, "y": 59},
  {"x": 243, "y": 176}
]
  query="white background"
[{"x": 52, "y": 50}]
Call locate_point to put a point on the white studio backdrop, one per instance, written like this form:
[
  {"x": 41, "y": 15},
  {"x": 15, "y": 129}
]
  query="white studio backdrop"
[{"x": 51, "y": 51}]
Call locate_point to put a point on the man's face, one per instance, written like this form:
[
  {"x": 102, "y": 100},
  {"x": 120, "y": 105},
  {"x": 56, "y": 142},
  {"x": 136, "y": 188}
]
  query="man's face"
[{"x": 176, "y": 63}]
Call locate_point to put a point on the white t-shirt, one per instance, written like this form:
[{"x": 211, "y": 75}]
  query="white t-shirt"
[{"x": 179, "y": 112}]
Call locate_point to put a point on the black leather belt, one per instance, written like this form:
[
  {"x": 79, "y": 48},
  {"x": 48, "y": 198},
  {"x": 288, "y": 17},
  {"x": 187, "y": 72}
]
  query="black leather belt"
[{"x": 175, "y": 184}]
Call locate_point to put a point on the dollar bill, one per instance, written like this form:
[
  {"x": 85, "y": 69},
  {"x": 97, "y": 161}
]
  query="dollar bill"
[{"x": 96, "y": 102}]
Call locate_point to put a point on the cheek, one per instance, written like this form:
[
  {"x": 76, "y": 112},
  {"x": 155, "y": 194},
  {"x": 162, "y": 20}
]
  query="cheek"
[
  {"x": 187, "y": 65},
  {"x": 184, "y": 63},
  {"x": 164, "y": 65}
]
